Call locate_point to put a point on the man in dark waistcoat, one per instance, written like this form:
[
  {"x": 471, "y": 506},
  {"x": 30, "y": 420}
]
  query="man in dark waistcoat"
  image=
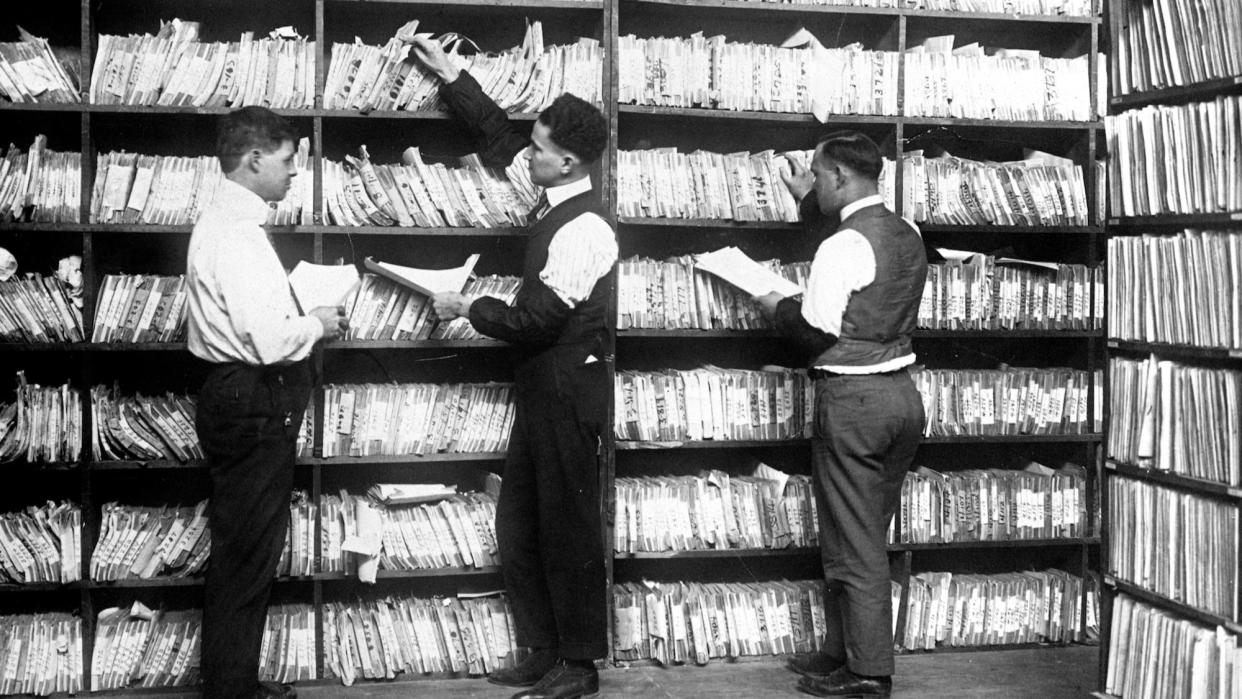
[
  {"x": 855, "y": 322},
  {"x": 548, "y": 519}
]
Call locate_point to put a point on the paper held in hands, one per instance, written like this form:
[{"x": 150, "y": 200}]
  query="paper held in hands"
[
  {"x": 323, "y": 285},
  {"x": 733, "y": 266},
  {"x": 425, "y": 281}
]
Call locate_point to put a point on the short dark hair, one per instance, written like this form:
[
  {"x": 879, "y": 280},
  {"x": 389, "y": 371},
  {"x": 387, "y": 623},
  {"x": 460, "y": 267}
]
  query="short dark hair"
[
  {"x": 248, "y": 128},
  {"x": 577, "y": 126},
  {"x": 855, "y": 151}
]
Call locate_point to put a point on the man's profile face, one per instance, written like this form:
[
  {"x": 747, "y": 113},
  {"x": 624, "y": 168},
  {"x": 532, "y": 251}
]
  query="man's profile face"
[
  {"x": 275, "y": 171},
  {"x": 828, "y": 182},
  {"x": 544, "y": 157}
]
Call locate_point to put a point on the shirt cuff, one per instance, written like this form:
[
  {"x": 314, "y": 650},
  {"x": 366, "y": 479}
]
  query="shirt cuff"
[{"x": 315, "y": 327}]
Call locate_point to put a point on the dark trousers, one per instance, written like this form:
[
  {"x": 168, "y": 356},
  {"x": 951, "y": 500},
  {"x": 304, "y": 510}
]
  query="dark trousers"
[
  {"x": 247, "y": 421},
  {"x": 548, "y": 522},
  {"x": 867, "y": 429}
]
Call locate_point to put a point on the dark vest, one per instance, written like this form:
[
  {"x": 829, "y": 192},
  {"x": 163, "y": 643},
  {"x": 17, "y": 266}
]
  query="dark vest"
[
  {"x": 880, "y": 317},
  {"x": 588, "y": 324}
]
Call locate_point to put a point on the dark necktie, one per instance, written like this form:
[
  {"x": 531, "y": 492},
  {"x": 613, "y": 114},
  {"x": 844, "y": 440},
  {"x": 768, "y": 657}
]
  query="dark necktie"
[{"x": 541, "y": 207}]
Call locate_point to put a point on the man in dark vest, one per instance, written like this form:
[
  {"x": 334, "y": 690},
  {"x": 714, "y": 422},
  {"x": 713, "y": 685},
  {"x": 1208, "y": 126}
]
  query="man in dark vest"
[
  {"x": 855, "y": 321},
  {"x": 548, "y": 519}
]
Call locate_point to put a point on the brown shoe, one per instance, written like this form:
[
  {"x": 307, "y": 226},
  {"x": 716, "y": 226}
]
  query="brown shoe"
[
  {"x": 844, "y": 683},
  {"x": 564, "y": 682},
  {"x": 527, "y": 672}
]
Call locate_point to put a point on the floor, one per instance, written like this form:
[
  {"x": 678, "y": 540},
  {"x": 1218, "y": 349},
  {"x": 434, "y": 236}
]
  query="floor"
[{"x": 1041, "y": 673}]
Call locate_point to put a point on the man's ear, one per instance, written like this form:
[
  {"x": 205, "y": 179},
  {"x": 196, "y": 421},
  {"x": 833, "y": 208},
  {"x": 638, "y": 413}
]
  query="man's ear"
[
  {"x": 252, "y": 159},
  {"x": 569, "y": 161}
]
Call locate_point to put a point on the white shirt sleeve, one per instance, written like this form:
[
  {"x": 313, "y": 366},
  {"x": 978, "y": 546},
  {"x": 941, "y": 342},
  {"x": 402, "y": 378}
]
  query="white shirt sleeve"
[
  {"x": 843, "y": 264},
  {"x": 581, "y": 252},
  {"x": 258, "y": 299}
]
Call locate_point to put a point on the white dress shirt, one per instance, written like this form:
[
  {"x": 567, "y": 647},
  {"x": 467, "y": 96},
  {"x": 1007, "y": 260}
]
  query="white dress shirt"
[
  {"x": 581, "y": 252},
  {"x": 844, "y": 264},
  {"x": 240, "y": 305}
]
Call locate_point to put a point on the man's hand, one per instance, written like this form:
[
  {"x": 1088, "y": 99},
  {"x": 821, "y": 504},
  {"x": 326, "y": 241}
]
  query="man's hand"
[
  {"x": 431, "y": 54},
  {"x": 334, "y": 321},
  {"x": 450, "y": 304},
  {"x": 800, "y": 180},
  {"x": 767, "y": 304}
]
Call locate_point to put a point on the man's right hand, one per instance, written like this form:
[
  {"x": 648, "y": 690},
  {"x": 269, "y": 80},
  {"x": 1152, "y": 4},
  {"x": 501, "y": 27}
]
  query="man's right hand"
[
  {"x": 800, "y": 180},
  {"x": 334, "y": 321},
  {"x": 431, "y": 54}
]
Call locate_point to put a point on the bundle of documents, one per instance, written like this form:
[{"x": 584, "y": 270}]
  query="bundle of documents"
[
  {"x": 981, "y": 292},
  {"x": 677, "y": 294},
  {"x": 41, "y": 654},
  {"x": 140, "y": 647},
  {"x": 800, "y": 76},
  {"x": 376, "y": 419},
  {"x": 43, "y": 424},
  {"x": 426, "y": 195},
  {"x": 714, "y": 511},
  {"x": 457, "y": 531},
  {"x": 1166, "y": 43},
  {"x": 664, "y": 183},
  {"x": 1176, "y": 418},
  {"x": 148, "y": 542},
  {"x": 287, "y": 653},
  {"x": 41, "y": 544},
  {"x": 174, "y": 68},
  {"x": 415, "y": 636},
  {"x": 384, "y": 310},
  {"x": 40, "y": 185},
  {"x": 1036, "y": 502},
  {"x": 298, "y": 556},
  {"x": 676, "y": 623},
  {"x": 1153, "y": 652},
  {"x": 31, "y": 72},
  {"x": 1008, "y": 401},
  {"x": 174, "y": 190},
  {"x": 1069, "y": 8},
  {"x": 499, "y": 287},
  {"x": 134, "y": 308},
  {"x": 712, "y": 403},
  {"x": 37, "y": 309},
  {"x": 1174, "y": 543},
  {"x": 948, "y": 610},
  {"x": 1042, "y": 190},
  {"x": 1176, "y": 159},
  {"x": 1183, "y": 289},
  {"x": 1011, "y": 84},
  {"x": 142, "y": 428},
  {"x": 524, "y": 78}
]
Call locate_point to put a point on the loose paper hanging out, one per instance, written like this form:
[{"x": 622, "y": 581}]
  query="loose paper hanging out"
[
  {"x": 735, "y": 267},
  {"x": 425, "y": 281}
]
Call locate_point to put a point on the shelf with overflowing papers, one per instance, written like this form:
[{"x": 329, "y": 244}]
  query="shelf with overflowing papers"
[
  {"x": 1195, "y": 485},
  {"x": 1207, "y": 89},
  {"x": 1175, "y": 351},
  {"x": 812, "y": 8},
  {"x": 1168, "y": 604},
  {"x": 628, "y": 445},
  {"x": 411, "y": 574}
]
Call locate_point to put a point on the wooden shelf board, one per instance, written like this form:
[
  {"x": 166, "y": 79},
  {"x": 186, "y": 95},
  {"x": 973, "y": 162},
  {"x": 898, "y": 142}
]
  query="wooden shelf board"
[
  {"x": 1197, "y": 485},
  {"x": 1206, "y": 90},
  {"x": 407, "y": 459},
  {"x": 411, "y": 574},
  {"x": 534, "y": 4},
  {"x": 1163, "y": 602},
  {"x": 1011, "y": 438},
  {"x": 500, "y": 232},
  {"x": 1009, "y": 230},
  {"x": 627, "y": 445},
  {"x": 1175, "y": 351},
  {"x": 344, "y": 345},
  {"x": 1220, "y": 218}
]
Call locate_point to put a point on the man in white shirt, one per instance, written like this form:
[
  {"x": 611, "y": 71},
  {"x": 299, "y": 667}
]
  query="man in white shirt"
[
  {"x": 548, "y": 521},
  {"x": 855, "y": 321},
  {"x": 244, "y": 322}
]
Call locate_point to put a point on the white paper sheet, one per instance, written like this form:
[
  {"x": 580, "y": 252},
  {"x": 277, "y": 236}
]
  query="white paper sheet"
[
  {"x": 323, "y": 285},
  {"x": 733, "y": 266}
]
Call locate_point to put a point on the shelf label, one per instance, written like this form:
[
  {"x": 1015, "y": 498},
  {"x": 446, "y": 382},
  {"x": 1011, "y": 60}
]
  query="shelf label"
[
  {"x": 1114, "y": 221},
  {"x": 1113, "y": 344},
  {"x": 1237, "y": 216},
  {"x": 1234, "y": 492},
  {"x": 1235, "y": 354}
]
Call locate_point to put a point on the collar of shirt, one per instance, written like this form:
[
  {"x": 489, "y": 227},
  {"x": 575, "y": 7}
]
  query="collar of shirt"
[
  {"x": 851, "y": 208},
  {"x": 241, "y": 204},
  {"x": 569, "y": 190}
]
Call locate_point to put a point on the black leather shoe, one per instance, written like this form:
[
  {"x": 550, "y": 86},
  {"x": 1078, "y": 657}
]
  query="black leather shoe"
[
  {"x": 527, "y": 672},
  {"x": 275, "y": 690},
  {"x": 844, "y": 683},
  {"x": 564, "y": 682},
  {"x": 818, "y": 664}
]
